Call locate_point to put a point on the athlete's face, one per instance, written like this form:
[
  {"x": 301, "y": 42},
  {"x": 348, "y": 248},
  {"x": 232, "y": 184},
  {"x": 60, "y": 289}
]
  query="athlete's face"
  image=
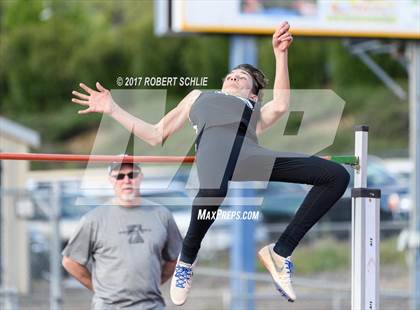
[
  {"x": 239, "y": 83},
  {"x": 126, "y": 183}
]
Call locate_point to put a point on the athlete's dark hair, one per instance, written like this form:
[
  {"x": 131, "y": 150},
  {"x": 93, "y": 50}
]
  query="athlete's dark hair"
[{"x": 259, "y": 80}]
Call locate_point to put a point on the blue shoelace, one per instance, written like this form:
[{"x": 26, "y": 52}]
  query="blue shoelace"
[
  {"x": 182, "y": 275},
  {"x": 289, "y": 266}
]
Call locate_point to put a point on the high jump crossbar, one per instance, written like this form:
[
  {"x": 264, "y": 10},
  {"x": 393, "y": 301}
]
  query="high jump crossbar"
[{"x": 347, "y": 160}]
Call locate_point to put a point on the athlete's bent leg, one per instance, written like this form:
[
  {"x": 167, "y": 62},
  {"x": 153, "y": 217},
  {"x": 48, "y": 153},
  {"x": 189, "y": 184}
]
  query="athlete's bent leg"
[{"x": 329, "y": 181}]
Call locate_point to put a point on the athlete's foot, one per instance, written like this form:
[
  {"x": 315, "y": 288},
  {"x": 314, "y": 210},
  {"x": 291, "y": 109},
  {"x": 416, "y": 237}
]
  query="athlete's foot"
[
  {"x": 181, "y": 282},
  {"x": 280, "y": 269}
]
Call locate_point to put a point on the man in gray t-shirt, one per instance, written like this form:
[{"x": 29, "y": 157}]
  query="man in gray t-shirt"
[{"x": 132, "y": 243}]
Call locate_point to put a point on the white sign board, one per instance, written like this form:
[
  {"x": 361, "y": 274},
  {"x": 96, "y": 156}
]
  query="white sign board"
[{"x": 326, "y": 18}]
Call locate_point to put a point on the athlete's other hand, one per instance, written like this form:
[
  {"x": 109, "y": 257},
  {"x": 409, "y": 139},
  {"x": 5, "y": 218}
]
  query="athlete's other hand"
[
  {"x": 282, "y": 38},
  {"x": 99, "y": 101}
]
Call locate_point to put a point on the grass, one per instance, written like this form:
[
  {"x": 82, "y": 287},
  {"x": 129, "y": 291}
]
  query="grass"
[
  {"x": 323, "y": 255},
  {"x": 329, "y": 254}
]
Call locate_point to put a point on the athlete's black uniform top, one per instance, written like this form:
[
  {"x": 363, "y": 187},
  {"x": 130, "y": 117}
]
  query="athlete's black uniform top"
[{"x": 227, "y": 149}]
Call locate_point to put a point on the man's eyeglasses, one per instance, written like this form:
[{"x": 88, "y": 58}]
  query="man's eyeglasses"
[{"x": 131, "y": 175}]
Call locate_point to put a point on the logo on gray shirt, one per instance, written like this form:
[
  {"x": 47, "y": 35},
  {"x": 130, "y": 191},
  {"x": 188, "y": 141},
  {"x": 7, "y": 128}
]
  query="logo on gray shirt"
[{"x": 134, "y": 233}]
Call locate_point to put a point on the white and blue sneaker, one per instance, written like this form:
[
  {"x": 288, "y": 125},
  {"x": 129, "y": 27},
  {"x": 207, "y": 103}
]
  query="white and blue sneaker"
[
  {"x": 181, "y": 282},
  {"x": 280, "y": 269}
]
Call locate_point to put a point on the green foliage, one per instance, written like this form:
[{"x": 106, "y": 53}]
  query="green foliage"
[
  {"x": 153, "y": 56},
  {"x": 389, "y": 255},
  {"x": 65, "y": 122},
  {"x": 388, "y": 118},
  {"x": 324, "y": 255},
  {"x": 48, "y": 47},
  {"x": 207, "y": 56},
  {"x": 35, "y": 74},
  {"x": 18, "y": 13},
  {"x": 386, "y": 115},
  {"x": 347, "y": 70},
  {"x": 307, "y": 63}
]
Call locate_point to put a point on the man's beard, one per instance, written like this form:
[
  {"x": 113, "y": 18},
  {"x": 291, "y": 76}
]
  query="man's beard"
[{"x": 128, "y": 197}]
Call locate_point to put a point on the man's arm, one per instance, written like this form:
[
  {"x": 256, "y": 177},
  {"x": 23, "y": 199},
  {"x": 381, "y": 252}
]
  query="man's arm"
[
  {"x": 171, "y": 249},
  {"x": 79, "y": 272},
  {"x": 168, "y": 269}
]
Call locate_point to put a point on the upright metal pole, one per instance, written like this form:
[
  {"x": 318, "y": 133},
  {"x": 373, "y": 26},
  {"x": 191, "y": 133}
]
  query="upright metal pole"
[
  {"x": 365, "y": 232},
  {"x": 414, "y": 94},
  {"x": 361, "y": 151},
  {"x": 55, "y": 248},
  {"x": 242, "y": 50}
]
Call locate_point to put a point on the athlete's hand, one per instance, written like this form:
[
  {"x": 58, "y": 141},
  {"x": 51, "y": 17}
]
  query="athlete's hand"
[
  {"x": 282, "y": 38},
  {"x": 96, "y": 101}
]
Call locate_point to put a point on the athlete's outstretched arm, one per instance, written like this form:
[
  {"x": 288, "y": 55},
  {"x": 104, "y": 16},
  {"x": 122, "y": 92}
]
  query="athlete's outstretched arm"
[
  {"x": 101, "y": 101},
  {"x": 275, "y": 108}
]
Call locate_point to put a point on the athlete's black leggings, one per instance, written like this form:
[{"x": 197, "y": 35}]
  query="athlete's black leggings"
[{"x": 329, "y": 182}]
